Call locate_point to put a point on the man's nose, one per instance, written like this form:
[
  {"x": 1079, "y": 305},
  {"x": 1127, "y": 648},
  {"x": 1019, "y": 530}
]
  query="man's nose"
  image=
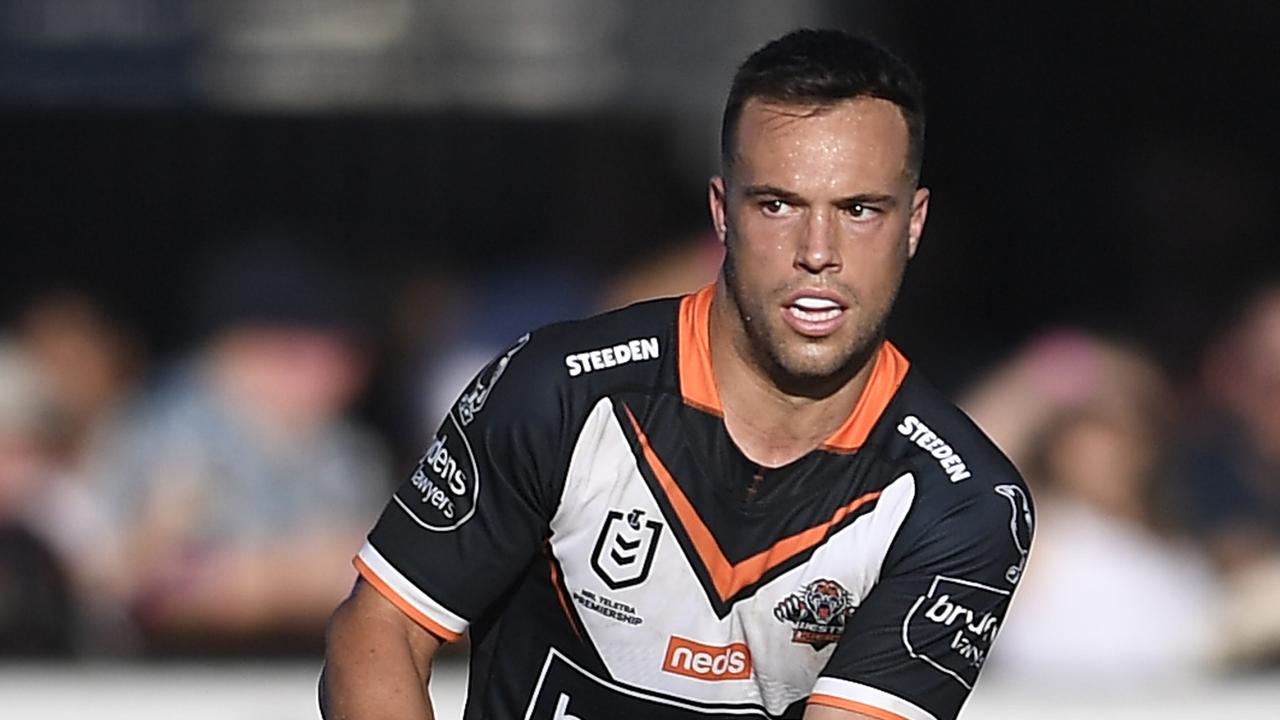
[{"x": 819, "y": 248}]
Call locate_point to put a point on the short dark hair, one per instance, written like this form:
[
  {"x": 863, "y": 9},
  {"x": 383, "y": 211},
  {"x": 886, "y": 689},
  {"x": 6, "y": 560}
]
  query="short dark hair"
[{"x": 824, "y": 67}]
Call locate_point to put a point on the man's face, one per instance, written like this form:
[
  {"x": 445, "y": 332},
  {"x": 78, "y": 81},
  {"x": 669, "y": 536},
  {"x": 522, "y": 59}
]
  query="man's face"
[{"x": 819, "y": 217}]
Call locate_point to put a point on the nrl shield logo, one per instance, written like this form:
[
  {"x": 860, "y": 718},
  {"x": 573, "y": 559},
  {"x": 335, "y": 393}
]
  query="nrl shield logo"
[{"x": 624, "y": 551}]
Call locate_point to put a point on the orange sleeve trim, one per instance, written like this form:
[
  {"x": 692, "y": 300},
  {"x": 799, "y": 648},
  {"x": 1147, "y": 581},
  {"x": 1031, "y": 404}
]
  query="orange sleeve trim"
[
  {"x": 853, "y": 706},
  {"x": 414, "y": 613},
  {"x": 697, "y": 383}
]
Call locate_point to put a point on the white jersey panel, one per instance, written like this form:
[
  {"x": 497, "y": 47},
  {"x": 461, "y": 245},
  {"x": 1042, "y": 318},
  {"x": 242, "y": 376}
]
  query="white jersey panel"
[
  {"x": 846, "y": 568},
  {"x": 625, "y": 572},
  {"x": 645, "y": 610}
]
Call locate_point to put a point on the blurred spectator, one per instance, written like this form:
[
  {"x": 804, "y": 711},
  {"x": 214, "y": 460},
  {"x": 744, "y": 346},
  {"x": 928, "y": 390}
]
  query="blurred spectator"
[
  {"x": 681, "y": 267},
  {"x": 240, "y": 488},
  {"x": 1231, "y": 475},
  {"x": 92, "y": 362},
  {"x": 1110, "y": 595},
  {"x": 471, "y": 322},
  {"x": 91, "y": 365},
  {"x": 36, "y": 604}
]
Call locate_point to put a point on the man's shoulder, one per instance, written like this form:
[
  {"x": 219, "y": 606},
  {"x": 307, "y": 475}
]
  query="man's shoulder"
[
  {"x": 568, "y": 365},
  {"x": 972, "y": 512},
  {"x": 953, "y": 460},
  {"x": 612, "y": 340}
]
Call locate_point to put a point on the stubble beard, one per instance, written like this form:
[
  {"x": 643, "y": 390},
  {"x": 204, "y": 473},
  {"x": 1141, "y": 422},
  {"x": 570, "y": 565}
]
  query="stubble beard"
[{"x": 797, "y": 365}]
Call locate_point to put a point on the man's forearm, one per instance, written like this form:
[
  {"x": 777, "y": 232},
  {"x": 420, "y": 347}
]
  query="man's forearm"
[{"x": 345, "y": 696}]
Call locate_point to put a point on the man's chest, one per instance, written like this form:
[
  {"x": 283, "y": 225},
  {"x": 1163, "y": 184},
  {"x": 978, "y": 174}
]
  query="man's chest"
[{"x": 684, "y": 593}]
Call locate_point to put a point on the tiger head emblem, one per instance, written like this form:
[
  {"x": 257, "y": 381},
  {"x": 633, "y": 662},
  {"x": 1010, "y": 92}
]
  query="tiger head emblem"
[
  {"x": 816, "y": 612},
  {"x": 826, "y": 600}
]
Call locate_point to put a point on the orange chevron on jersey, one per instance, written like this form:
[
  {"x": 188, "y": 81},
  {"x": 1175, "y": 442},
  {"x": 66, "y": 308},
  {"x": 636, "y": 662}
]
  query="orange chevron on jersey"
[{"x": 731, "y": 578}]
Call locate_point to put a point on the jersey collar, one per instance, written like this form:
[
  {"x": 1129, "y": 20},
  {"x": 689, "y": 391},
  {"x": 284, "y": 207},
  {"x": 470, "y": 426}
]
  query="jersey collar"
[{"x": 698, "y": 385}]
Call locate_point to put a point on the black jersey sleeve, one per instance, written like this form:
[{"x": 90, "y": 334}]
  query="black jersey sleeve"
[
  {"x": 916, "y": 644},
  {"x": 460, "y": 530}
]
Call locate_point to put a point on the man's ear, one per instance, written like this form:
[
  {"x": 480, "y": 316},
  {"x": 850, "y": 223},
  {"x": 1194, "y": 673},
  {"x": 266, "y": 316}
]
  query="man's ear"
[
  {"x": 919, "y": 213},
  {"x": 716, "y": 200}
]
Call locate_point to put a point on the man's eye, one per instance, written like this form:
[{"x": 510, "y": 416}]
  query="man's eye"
[
  {"x": 774, "y": 207},
  {"x": 858, "y": 211}
]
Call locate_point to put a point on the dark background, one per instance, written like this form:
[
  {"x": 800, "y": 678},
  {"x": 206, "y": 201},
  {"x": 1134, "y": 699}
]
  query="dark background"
[{"x": 1112, "y": 165}]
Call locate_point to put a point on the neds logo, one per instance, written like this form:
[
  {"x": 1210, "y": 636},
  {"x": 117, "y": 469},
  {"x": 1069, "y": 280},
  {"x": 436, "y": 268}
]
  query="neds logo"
[{"x": 707, "y": 662}]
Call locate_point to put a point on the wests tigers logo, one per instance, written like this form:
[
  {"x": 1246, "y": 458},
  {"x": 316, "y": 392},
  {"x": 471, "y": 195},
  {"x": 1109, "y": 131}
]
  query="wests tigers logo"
[{"x": 817, "y": 612}]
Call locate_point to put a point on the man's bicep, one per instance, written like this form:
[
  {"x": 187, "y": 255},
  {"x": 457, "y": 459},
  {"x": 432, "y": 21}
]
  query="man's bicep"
[
  {"x": 371, "y": 608},
  {"x": 377, "y": 660},
  {"x": 827, "y": 712}
]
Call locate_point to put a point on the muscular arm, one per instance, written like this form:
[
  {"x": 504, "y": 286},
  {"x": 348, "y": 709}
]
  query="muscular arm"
[
  {"x": 377, "y": 661},
  {"x": 823, "y": 712}
]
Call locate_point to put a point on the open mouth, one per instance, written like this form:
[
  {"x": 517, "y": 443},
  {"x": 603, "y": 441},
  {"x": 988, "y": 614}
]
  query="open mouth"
[
  {"x": 814, "y": 315},
  {"x": 813, "y": 309}
]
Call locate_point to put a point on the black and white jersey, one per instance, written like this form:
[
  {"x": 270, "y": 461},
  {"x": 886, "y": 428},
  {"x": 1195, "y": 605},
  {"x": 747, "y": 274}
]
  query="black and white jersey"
[{"x": 585, "y": 514}]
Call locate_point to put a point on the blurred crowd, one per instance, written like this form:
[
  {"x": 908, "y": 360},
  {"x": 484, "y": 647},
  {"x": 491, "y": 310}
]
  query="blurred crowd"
[
  {"x": 207, "y": 504},
  {"x": 210, "y": 502},
  {"x": 1157, "y": 551}
]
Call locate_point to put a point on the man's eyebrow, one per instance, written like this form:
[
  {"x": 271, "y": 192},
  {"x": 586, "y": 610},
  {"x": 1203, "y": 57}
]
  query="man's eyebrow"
[
  {"x": 769, "y": 190},
  {"x": 868, "y": 199},
  {"x": 772, "y": 191}
]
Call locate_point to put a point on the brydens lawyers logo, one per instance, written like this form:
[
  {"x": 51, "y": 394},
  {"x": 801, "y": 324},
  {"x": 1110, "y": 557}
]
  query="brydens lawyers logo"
[
  {"x": 707, "y": 662},
  {"x": 951, "y": 626},
  {"x": 817, "y": 612}
]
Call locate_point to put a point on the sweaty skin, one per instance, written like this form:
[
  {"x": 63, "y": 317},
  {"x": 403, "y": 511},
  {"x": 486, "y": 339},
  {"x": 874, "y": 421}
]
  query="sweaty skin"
[
  {"x": 819, "y": 215},
  {"x": 377, "y": 661}
]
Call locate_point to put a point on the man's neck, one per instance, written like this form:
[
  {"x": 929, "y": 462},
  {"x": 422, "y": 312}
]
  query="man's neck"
[{"x": 769, "y": 425}]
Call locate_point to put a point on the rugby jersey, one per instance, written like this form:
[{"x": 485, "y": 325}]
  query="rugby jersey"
[{"x": 584, "y": 514}]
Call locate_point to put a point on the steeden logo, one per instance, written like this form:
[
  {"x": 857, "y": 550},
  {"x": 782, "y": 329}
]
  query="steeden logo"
[{"x": 707, "y": 662}]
